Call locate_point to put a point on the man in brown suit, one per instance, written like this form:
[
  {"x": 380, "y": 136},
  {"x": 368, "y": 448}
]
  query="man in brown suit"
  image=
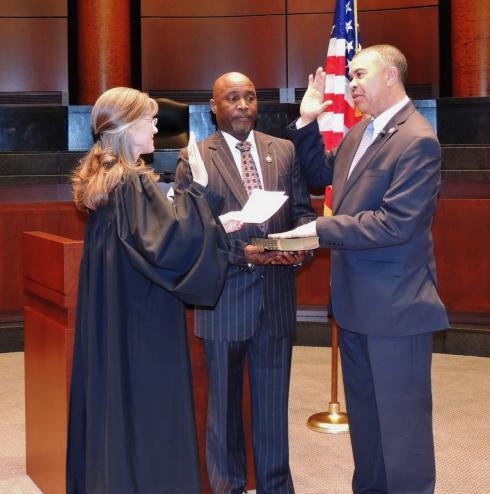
[{"x": 255, "y": 316}]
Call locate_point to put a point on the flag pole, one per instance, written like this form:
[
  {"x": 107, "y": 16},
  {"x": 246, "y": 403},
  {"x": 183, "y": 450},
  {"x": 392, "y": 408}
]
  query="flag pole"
[
  {"x": 345, "y": 30},
  {"x": 333, "y": 421},
  {"x": 356, "y": 26}
]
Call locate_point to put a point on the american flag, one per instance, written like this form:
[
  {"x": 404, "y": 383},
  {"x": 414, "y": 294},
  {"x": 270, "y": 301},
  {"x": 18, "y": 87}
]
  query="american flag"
[{"x": 343, "y": 45}]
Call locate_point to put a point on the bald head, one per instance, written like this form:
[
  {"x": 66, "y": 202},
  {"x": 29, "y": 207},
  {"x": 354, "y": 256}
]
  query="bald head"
[
  {"x": 234, "y": 103},
  {"x": 230, "y": 79}
]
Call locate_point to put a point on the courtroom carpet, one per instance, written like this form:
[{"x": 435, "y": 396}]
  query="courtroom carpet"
[{"x": 320, "y": 463}]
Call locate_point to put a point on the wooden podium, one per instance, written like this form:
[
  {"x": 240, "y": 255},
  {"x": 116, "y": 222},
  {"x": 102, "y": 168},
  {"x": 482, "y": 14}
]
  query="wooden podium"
[
  {"x": 50, "y": 270},
  {"x": 50, "y": 284}
]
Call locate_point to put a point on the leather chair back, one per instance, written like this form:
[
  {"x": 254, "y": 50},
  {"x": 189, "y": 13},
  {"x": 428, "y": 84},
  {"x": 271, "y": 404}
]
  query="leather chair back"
[{"x": 173, "y": 124}]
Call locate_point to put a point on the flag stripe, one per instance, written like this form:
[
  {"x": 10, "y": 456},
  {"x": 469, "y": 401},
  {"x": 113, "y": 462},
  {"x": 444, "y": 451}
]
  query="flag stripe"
[
  {"x": 341, "y": 115},
  {"x": 341, "y": 49}
]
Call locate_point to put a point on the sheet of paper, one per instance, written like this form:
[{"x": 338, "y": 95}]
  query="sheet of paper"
[{"x": 261, "y": 205}]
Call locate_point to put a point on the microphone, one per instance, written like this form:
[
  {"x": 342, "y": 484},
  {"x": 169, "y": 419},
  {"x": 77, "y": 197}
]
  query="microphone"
[{"x": 382, "y": 133}]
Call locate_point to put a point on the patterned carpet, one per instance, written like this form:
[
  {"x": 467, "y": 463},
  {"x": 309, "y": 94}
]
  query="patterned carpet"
[{"x": 320, "y": 463}]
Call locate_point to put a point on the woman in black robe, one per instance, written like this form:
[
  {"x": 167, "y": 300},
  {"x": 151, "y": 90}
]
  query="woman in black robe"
[{"x": 131, "y": 423}]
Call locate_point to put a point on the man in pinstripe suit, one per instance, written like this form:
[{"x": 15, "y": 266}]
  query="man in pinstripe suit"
[{"x": 255, "y": 316}]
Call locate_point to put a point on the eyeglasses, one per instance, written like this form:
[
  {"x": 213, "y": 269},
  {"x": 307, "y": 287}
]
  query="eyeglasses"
[{"x": 153, "y": 120}]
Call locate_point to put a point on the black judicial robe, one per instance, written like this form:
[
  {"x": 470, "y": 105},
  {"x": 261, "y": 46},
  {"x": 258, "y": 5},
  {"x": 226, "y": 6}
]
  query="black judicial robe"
[{"x": 131, "y": 424}]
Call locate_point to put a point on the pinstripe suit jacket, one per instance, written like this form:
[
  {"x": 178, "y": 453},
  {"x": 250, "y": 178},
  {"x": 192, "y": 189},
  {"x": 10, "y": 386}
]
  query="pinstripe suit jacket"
[{"x": 248, "y": 291}]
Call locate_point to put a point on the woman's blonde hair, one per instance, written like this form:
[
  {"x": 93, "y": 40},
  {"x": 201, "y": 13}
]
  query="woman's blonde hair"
[{"x": 106, "y": 163}]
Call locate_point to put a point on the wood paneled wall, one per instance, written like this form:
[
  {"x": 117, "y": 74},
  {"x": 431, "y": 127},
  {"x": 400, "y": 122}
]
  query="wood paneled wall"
[
  {"x": 190, "y": 53},
  {"x": 461, "y": 249},
  {"x": 33, "y": 8},
  {"x": 33, "y": 45},
  {"x": 186, "y": 45},
  {"x": 210, "y": 8},
  {"x": 462, "y": 259},
  {"x": 461, "y": 244}
]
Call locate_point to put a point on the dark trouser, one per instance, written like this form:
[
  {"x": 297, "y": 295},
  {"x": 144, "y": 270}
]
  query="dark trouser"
[
  {"x": 387, "y": 384},
  {"x": 269, "y": 364}
]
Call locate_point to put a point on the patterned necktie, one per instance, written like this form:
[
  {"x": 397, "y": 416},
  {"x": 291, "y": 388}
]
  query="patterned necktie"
[
  {"x": 366, "y": 140},
  {"x": 250, "y": 174}
]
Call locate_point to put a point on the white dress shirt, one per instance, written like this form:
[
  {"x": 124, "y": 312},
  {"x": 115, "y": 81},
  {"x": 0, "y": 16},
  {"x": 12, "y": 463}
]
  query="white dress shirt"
[
  {"x": 237, "y": 156},
  {"x": 378, "y": 125},
  {"x": 381, "y": 120}
]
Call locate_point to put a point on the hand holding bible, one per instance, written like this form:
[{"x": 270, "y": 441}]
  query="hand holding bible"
[{"x": 306, "y": 230}]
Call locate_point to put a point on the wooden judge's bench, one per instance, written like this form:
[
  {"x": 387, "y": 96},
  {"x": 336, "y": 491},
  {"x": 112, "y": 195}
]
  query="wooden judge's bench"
[{"x": 50, "y": 269}]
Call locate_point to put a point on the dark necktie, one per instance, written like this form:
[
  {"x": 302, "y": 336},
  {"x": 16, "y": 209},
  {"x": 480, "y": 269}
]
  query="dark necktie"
[{"x": 250, "y": 174}]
